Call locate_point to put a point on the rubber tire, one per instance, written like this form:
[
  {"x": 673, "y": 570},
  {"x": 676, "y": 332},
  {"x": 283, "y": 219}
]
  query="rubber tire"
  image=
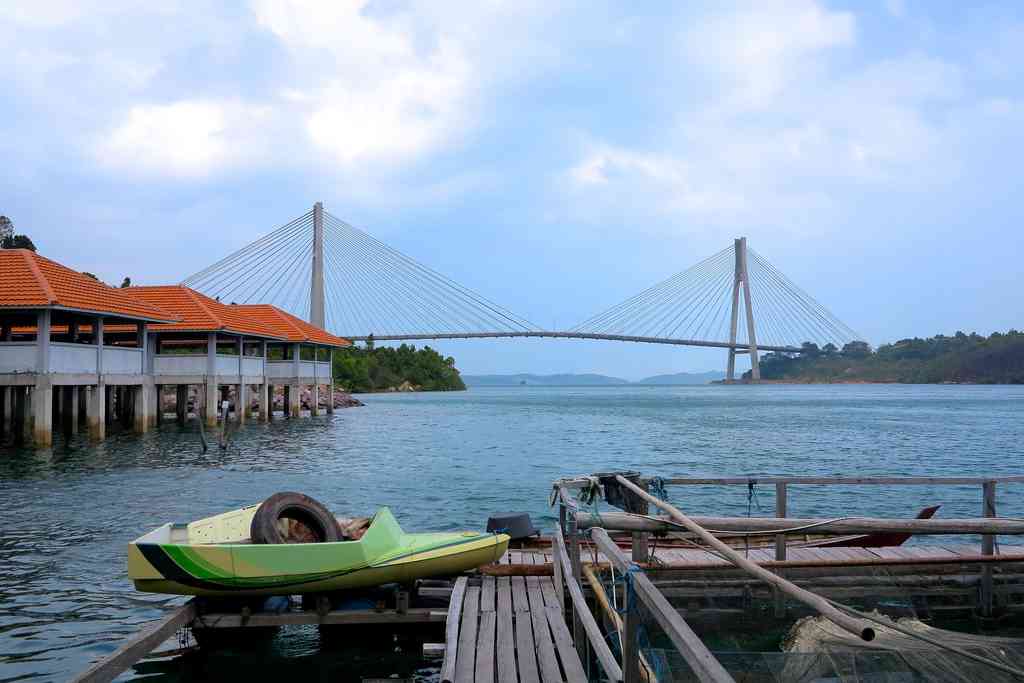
[{"x": 297, "y": 506}]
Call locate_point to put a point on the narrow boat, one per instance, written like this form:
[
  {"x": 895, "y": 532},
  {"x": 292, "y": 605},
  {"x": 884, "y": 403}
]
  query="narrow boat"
[{"x": 217, "y": 557}]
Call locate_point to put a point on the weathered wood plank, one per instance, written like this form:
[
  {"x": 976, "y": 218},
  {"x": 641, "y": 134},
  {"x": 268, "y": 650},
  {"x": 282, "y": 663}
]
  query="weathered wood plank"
[
  {"x": 526, "y": 651},
  {"x": 485, "y": 648},
  {"x": 571, "y": 664},
  {"x": 587, "y": 620},
  {"x": 108, "y": 668},
  {"x": 504, "y": 592},
  {"x": 536, "y": 598},
  {"x": 546, "y": 660},
  {"x": 547, "y": 589},
  {"x": 506, "y": 640},
  {"x": 451, "y": 631},
  {"x": 519, "y": 601},
  {"x": 465, "y": 661},
  {"x": 487, "y": 590}
]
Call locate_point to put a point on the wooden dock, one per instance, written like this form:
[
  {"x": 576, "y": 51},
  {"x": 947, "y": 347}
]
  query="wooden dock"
[{"x": 509, "y": 629}]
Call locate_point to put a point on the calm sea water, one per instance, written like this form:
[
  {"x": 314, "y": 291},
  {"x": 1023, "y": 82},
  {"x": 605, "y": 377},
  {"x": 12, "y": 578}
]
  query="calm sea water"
[{"x": 445, "y": 461}]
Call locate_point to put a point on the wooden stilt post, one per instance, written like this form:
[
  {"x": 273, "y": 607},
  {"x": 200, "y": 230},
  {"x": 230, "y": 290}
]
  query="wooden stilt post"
[
  {"x": 988, "y": 544},
  {"x": 780, "y": 544}
]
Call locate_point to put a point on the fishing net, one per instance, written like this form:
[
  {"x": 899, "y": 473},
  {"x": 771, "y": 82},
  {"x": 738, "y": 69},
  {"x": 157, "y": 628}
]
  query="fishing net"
[
  {"x": 942, "y": 659},
  {"x": 817, "y": 651}
]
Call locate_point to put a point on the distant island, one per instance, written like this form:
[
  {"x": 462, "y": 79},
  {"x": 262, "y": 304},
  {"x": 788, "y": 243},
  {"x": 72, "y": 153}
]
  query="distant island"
[
  {"x": 587, "y": 380},
  {"x": 960, "y": 358}
]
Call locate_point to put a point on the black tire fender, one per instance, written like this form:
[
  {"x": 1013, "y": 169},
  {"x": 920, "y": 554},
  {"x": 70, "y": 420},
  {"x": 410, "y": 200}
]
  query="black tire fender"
[{"x": 293, "y": 506}]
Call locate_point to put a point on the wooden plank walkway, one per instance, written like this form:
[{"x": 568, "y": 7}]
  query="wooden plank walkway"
[
  {"x": 511, "y": 630},
  {"x": 687, "y": 558}
]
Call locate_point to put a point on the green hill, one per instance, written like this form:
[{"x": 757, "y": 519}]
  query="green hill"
[
  {"x": 966, "y": 358},
  {"x": 383, "y": 368}
]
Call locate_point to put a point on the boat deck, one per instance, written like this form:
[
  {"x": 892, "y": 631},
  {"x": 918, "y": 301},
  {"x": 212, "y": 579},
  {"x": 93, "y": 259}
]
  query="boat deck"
[
  {"x": 696, "y": 559},
  {"x": 510, "y": 630}
]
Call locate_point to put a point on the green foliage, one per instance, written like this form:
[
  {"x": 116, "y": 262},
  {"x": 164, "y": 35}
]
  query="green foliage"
[
  {"x": 385, "y": 367},
  {"x": 997, "y": 359}
]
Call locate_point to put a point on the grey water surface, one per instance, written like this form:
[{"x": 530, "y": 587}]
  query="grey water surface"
[{"x": 445, "y": 461}]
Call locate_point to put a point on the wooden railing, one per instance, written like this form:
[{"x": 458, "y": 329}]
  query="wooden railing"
[{"x": 988, "y": 503}]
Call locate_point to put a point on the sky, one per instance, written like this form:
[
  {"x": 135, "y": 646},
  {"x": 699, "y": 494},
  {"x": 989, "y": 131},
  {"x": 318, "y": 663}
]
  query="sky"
[{"x": 555, "y": 157}]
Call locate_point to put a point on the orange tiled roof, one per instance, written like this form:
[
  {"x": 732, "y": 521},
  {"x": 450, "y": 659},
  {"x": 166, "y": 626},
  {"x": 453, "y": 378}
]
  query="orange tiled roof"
[
  {"x": 288, "y": 326},
  {"x": 199, "y": 313},
  {"x": 33, "y": 281}
]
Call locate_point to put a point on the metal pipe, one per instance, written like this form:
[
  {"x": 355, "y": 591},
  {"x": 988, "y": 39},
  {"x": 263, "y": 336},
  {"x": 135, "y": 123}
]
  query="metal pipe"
[{"x": 624, "y": 521}]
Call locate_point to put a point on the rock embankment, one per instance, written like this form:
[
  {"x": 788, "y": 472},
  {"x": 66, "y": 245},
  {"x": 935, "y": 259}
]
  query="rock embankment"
[{"x": 342, "y": 399}]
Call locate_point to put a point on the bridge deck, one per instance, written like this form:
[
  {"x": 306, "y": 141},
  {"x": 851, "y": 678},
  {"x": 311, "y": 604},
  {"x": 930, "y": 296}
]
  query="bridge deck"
[{"x": 511, "y": 630}]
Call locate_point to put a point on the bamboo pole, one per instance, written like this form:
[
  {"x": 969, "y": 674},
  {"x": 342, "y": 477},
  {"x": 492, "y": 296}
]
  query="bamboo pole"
[
  {"x": 855, "y": 626},
  {"x": 602, "y": 599}
]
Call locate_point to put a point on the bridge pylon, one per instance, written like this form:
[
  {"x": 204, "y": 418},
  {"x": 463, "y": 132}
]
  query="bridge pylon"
[
  {"x": 741, "y": 279},
  {"x": 316, "y": 280}
]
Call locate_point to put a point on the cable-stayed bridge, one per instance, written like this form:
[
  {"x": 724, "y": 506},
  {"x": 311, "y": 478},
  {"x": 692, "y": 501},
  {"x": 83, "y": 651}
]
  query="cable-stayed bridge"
[{"x": 343, "y": 279}]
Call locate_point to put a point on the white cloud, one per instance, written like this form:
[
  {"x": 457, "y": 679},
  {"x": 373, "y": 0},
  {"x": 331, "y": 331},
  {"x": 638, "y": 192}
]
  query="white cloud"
[
  {"x": 789, "y": 134},
  {"x": 760, "y": 49},
  {"x": 378, "y": 94},
  {"x": 183, "y": 138}
]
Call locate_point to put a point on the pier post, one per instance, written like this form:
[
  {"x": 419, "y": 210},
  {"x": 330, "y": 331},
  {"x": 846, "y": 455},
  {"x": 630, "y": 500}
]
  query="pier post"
[
  {"x": 330, "y": 387},
  {"x": 210, "y": 397},
  {"x": 295, "y": 400},
  {"x": 140, "y": 408},
  {"x": 241, "y": 402},
  {"x": 264, "y": 399},
  {"x": 97, "y": 414},
  {"x": 988, "y": 546},
  {"x": 42, "y": 412}
]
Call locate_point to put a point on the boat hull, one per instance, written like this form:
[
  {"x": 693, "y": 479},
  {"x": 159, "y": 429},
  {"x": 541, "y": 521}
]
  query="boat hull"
[{"x": 384, "y": 555}]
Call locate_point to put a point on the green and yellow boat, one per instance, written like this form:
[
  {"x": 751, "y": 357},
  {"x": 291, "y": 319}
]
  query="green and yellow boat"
[{"x": 216, "y": 557}]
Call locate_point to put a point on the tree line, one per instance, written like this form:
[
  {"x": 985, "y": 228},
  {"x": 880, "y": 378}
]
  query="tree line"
[
  {"x": 370, "y": 368},
  {"x": 968, "y": 358}
]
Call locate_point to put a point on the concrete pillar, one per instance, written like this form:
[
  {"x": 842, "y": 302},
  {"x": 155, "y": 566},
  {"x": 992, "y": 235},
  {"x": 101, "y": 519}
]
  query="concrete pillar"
[
  {"x": 181, "y": 404},
  {"x": 241, "y": 402},
  {"x": 42, "y": 413},
  {"x": 330, "y": 385},
  {"x": 98, "y": 412},
  {"x": 141, "y": 408},
  {"x": 71, "y": 409},
  {"x": 314, "y": 399},
  {"x": 210, "y": 394},
  {"x": 210, "y": 402},
  {"x": 264, "y": 399},
  {"x": 286, "y": 400},
  {"x": 295, "y": 401},
  {"x": 43, "y": 344}
]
